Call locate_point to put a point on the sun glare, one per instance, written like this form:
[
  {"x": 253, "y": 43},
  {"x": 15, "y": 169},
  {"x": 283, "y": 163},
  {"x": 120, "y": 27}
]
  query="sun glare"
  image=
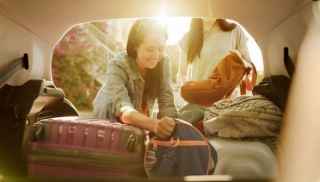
[{"x": 176, "y": 27}]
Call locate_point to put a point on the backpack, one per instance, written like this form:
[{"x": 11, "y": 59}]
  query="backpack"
[
  {"x": 276, "y": 87},
  {"x": 231, "y": 71},
  {"x": 187, "y": 152},
  {"x": 16, "y": 105}
]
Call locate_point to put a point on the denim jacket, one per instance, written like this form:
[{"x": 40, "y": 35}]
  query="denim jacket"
[{"x": 123, "y": 91}]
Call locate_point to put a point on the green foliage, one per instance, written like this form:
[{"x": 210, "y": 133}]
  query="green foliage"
[
  {"x": 80, "y": 62},
  {"x": 69, "y": 74}
]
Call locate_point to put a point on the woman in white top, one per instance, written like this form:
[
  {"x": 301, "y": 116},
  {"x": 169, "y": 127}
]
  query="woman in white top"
[{"x": 208, "y": 41}]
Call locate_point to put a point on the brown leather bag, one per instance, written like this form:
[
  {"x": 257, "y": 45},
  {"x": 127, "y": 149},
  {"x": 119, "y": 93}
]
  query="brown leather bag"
[{"x": 231, "y": 71}]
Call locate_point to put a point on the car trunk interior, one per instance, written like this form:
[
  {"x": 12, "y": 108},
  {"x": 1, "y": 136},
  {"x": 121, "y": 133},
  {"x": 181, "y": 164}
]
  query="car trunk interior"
[{"x": 35, "y": 27}]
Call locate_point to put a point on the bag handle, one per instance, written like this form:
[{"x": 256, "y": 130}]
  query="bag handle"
[
  {"x": 247, "y": 83},
  {"x": 176, "y": 142}
]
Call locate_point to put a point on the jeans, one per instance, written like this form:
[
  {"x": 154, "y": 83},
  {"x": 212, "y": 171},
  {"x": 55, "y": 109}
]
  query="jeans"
[{"x": 191, "y": 113}]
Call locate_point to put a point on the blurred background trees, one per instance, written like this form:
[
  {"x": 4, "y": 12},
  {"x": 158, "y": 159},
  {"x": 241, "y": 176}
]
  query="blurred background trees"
[{"x": 80, "y": 59}]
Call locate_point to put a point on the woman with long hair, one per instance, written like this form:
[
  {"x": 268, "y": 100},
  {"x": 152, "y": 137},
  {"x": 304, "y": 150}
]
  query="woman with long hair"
[
  {"x": 208, "y": 42},
  {"x": 137, "y": 79}
]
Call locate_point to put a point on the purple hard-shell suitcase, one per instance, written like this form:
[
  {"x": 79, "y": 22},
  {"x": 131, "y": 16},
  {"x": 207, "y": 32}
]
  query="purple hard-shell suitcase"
[{"x": 73, "y": 146}]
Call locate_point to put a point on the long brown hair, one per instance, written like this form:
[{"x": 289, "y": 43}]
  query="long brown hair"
[
  {"x": 195, "y": 36},
  {"x": 136, "y": 36},
  {"x": 195, "y": 39}
]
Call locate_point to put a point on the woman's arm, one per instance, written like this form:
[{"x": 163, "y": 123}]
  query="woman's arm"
[
  {"x": 162, "y": 128},
  {"x": 182, "y": 62},
  {"x": 245, "y": 44},
  {"x": 166, "y": 100}
]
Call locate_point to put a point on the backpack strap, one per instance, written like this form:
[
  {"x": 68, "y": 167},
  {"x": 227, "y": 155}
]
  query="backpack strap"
[
  {"x": 288, "y": 62},
  {"x": 249, "y": 79},
  {"x": 177, "y": 142}
]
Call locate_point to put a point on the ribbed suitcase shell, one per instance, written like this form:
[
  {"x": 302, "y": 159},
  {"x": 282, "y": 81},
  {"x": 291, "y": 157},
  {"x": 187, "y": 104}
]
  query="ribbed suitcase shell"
[{"x": 71, "y": 146}]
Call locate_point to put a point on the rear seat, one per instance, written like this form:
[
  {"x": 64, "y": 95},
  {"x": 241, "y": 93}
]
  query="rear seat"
[{"x": 244, "y": 159}]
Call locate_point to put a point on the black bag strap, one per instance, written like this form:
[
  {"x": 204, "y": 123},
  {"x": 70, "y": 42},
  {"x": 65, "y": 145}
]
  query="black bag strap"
[{"x": 288, "y": 62}]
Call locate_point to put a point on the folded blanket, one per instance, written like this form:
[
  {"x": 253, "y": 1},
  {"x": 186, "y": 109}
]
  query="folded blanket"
[{"x": 244, "y": 116}]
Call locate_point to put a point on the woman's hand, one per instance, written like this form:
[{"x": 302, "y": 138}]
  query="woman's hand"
[{"x": 164, "y": 127}]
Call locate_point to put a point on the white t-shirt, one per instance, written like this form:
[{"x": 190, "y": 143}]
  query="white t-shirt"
[{"x": 216, "y": 46}]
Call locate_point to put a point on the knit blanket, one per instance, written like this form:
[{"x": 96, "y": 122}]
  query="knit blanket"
[{"x": 243, "y": 117}]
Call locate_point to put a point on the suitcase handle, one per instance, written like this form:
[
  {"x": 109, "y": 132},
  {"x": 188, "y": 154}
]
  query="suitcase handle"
[
  {"x": 38, "y": 133},
  {"x": 131, "y": 143}
]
